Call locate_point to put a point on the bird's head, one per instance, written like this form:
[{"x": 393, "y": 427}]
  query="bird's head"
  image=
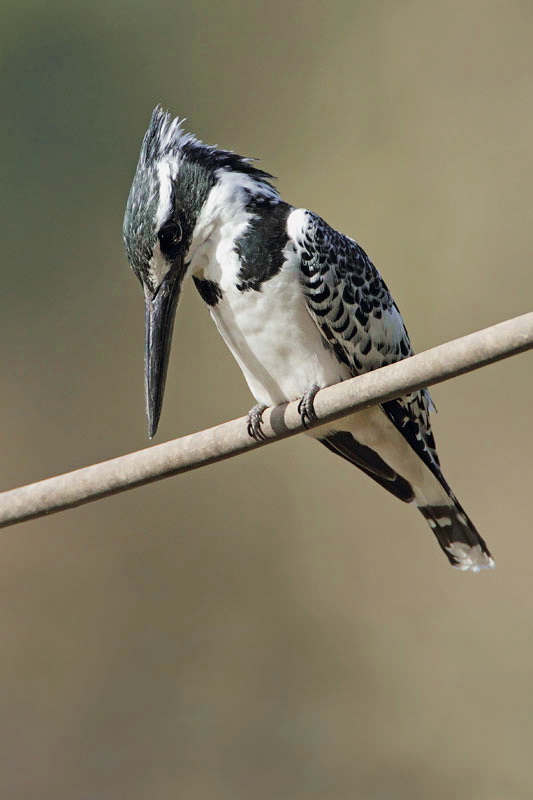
[{"x": 172, "y": 208}]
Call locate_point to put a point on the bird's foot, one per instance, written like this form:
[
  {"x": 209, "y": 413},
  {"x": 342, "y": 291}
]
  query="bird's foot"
[
  {"x": 306, "y": 406},
  {"x": 254, "y": 418}
]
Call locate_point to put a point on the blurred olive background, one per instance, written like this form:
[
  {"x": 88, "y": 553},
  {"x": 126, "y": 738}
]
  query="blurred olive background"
[{"x": 276, "y": 625}]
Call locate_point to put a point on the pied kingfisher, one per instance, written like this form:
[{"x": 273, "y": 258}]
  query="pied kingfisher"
[{"x": 299, "y": 305}]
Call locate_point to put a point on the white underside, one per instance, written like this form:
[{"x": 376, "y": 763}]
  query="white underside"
[{"x": 274, "y": 340}]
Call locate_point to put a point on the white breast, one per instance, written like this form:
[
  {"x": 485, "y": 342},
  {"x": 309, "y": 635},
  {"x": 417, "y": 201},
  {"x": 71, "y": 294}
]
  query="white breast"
[
  {"x": 270, "y": 332},
  {"x": 273, "y": 338}
]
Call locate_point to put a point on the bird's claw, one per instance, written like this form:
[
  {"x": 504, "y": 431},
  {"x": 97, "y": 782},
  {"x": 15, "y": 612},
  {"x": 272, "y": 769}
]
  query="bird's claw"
[
  {"x": 254, "y": 419},
  {"x": 306, "y": 406}
]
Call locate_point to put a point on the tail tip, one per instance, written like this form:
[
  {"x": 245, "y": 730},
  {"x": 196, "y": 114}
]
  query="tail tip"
[{"x": 469, "y": 558}]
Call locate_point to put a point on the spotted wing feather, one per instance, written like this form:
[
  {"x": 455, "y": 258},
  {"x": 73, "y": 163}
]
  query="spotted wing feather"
[{"x": 360, "y": 322}]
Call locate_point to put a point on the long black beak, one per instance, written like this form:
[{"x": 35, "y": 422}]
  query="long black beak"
[{"x": 160, "y": 313}]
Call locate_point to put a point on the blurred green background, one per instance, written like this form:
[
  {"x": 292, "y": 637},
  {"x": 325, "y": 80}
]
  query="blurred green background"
[{"x": 276, "y": 625}]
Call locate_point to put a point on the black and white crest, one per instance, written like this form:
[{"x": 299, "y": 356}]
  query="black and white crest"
[{"x": 174, "y": 176}]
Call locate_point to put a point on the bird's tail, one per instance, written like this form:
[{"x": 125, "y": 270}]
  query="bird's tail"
[
  {"x": 455, "y": 532},
  {"x": 370, "y": 441}
]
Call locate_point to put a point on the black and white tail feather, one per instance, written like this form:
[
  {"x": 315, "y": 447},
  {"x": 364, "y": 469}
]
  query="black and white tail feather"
[
  {"x": 455, "y": 532},
  {"x": 457, "y": 535}
]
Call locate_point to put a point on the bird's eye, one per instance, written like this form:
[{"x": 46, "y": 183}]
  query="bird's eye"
[{"x": 170, "y": 236}]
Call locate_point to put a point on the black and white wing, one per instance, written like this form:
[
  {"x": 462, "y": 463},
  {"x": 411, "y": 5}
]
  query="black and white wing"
[{"x": 360, "y": 322}]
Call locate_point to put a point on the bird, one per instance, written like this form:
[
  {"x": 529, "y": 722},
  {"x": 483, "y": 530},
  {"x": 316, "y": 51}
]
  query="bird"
[{"x": 299, "y": 304}]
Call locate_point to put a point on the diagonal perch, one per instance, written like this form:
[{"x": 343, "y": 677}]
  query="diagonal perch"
[{"x": 231, "y": 438}]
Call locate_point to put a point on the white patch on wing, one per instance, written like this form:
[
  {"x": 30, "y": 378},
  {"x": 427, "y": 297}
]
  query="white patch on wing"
[
  {"x": 471, "y": 559},
  {"x": 297, "y": 223},
  {"x": 392, "y": 325}
]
